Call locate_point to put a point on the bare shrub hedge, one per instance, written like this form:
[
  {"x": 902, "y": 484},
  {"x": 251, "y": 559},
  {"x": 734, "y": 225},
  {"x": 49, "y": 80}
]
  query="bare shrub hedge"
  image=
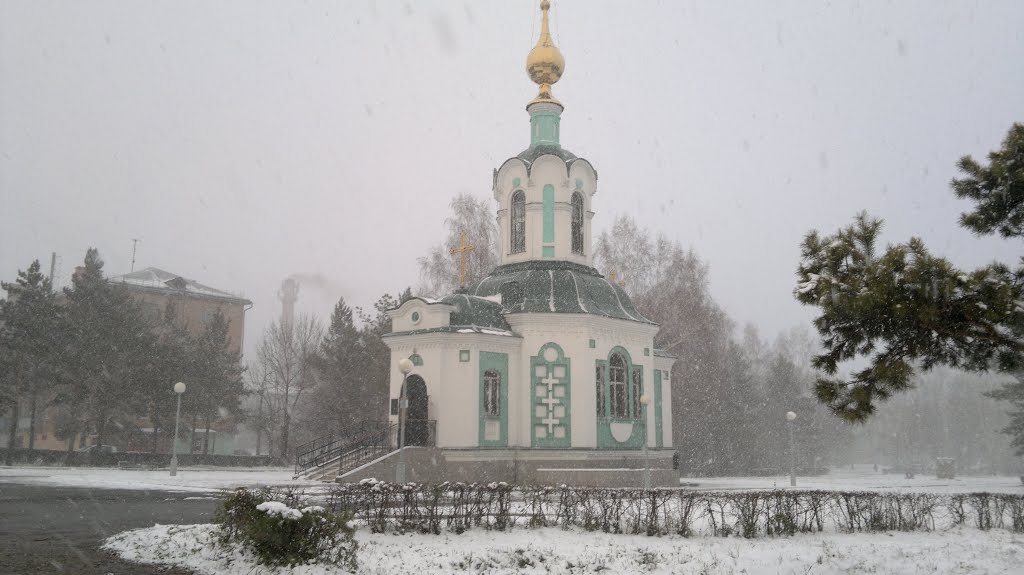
[{"x": 432, "y": 508}]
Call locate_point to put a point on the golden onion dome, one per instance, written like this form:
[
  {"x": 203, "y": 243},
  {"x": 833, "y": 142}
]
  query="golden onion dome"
[{"x": 545, "y": 63}]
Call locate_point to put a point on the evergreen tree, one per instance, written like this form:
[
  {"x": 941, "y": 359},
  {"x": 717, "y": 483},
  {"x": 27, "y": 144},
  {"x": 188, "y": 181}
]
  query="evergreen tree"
[
  {"x": 377, "y": 369},
  {"x": 343, "y": 395},
  {"x": 107, "y": 336},
  {"x": 216, "y": 376},
  {"x": 30, "y": 346},
  {"x": 169, "y": 361},
  {"x": 781, "y": 393},
  {"x": 1013, "y": 393},
  {"x": 996, "y": 189},
  {"x": 905, "y": 307}
]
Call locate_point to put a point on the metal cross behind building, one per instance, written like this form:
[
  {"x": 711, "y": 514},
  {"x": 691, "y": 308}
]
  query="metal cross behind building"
[{"x": 462, "y": 250}]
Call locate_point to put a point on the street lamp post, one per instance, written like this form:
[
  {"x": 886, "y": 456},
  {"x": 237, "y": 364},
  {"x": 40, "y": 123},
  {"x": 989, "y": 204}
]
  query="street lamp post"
[
  {"x": 404, "y": 366},
  {"x": 645, "y": 400},
  {"x": 179, "y": 388},
  {"x": 790, "y": 417}
]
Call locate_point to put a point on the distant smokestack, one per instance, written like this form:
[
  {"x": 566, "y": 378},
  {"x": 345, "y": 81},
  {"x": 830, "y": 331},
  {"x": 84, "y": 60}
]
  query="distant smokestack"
[{"x": 288, "y": 294}]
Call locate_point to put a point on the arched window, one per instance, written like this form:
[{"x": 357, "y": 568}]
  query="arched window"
[
  {"x": 492, "y": 393},
  {"x": 577, "y": 223},
  {"x": 617, "y": 385},
  {"x": 518, "y": 223},
  {"x": 518, "y": 228}
]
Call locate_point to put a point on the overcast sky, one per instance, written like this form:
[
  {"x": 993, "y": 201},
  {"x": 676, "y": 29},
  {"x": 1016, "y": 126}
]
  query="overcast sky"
[{"x": 245, "y": 141}]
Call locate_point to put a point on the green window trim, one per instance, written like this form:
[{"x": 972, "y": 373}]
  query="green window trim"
[
  {"x": 549, "y": 213},
  {"x": 632, "y": 397},
  {"x": 416, "y": 359},
  {"x": 544, "y": 127},
  {"x": 463, "y": 355},
  {"x": 634, "y": 388},
  {"x": 659, "y": 433},
  {"x": 493, "y": 363}
]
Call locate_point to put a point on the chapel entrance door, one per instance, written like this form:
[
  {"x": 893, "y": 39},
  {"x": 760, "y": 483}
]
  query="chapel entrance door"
[{"x": 417, "y": 431}]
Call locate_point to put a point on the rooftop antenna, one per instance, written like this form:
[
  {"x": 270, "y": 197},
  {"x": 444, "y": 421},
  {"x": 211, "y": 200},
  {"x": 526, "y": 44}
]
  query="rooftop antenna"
[{"x": 135, "y": 244}]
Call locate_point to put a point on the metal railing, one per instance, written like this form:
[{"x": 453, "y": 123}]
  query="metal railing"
[
  {"x": 361, "y": 444},
  {"x": 322, "y": 449}
]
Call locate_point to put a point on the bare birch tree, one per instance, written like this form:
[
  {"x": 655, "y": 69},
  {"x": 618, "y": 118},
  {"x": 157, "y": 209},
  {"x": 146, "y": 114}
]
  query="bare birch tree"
[
  {"x": 439, "y": 269},
  {"x": 284, "y": 363}
]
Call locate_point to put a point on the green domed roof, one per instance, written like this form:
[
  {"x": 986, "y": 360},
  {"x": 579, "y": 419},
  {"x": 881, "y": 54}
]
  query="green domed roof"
[
  {"x": 473, "y": 311},
  {"x": 555, "y": 287},
  {"x": 533, "y": 152}
]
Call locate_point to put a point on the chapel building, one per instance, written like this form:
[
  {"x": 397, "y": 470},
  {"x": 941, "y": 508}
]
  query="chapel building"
[{"x": 544, "y": 371}]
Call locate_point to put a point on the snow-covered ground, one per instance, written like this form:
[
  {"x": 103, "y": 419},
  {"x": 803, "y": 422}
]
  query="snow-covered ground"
[
  {"x": 960, "y": 551},
  {"x": 189, "y": 479},
  {"x": 207, "y": 479}
]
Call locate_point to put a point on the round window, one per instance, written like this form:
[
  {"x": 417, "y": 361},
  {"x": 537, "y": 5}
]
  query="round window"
[
  {"x": 550, "y": 354},
  {"x": 415, "y": 317}
]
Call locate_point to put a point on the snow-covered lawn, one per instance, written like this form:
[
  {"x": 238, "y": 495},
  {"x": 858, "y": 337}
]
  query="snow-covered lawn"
[
  {"x": 962, "y": 550},
  {"x": 207, "y": 479},
  {"x": 189, "y": 479}
]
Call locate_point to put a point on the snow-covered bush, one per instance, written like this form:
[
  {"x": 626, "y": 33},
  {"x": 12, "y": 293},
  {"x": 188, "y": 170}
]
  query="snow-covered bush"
[{"x": 281, "y": 531}]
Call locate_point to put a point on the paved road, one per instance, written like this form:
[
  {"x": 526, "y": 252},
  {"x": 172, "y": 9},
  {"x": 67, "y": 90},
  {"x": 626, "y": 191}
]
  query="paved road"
[{"x": 59, "y": 529}]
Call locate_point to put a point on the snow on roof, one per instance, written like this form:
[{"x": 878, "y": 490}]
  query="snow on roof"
[
  {"x": 158, "y": 279},
  {"x": 496, "y": 298}
]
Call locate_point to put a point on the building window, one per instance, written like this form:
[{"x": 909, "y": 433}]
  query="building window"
[
  {"x": 416, "y": 359},
  {"x": 492, "y": 393},
  {"x": 637, "y": 390},
  {"x": 463, "y": 355},
  {"x": 150, "y": 311},
  {"x": 577, "y": 223},
  {"x": 617, "y": 385},
  {"x": 518, "y": 223},
  {"x": 599, "y": 383},
  {"x": 208, "y": 316}
]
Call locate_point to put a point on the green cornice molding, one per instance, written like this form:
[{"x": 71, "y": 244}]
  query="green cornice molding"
[{"x": 545, "y": 265}]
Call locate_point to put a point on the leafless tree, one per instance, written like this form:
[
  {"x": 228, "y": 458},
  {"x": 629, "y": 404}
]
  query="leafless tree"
[
  {"x": 284, "y": 371},
  {"x": 439, "y": 269}
]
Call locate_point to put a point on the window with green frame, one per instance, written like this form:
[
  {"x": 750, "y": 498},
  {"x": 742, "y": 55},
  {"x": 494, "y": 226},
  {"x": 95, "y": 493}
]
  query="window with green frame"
[
  {"x": 617, "y": 369},
  {"x": 619, "y": 386},
  {"x": 492, "y": 393}
]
